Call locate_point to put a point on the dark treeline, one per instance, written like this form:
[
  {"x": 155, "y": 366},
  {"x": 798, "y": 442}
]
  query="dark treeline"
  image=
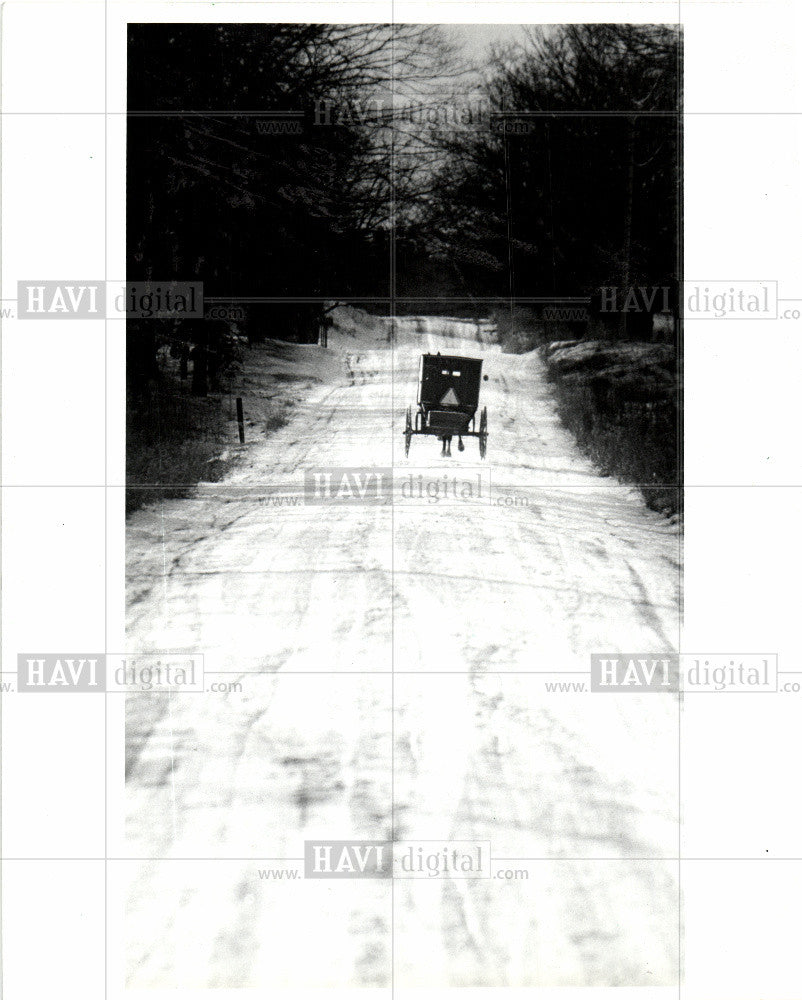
[
  {"x": 571, "y": 181},
  {"x": 238, "y": 178},
  {"x": 279, "y": 160}
]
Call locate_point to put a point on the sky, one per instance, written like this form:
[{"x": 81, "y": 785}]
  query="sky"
[{"x": 477, "y": 39}]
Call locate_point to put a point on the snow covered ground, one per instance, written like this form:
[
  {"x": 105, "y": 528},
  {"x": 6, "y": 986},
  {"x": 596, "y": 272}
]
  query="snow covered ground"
[{"x": 390, "y": 666}]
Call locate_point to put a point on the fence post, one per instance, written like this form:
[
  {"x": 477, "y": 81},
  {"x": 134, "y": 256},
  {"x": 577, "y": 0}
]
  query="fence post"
[{"x": 240, "y": 421}]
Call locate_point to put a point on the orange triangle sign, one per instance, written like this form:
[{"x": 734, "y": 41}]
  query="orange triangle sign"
[{"x": 450, "y": 399}]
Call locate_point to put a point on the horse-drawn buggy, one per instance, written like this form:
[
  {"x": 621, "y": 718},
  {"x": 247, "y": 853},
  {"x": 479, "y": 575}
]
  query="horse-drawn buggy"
[{"x": 448, "y": 397}]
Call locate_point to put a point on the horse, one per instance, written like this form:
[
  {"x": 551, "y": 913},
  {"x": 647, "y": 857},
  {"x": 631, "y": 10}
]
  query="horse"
[{"x": 446, "y": 439}]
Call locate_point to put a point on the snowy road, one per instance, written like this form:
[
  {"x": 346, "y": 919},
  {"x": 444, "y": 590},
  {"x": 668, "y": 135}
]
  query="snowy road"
[{"x": 390, "y": 666}]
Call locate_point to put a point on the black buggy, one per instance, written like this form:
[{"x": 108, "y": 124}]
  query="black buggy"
[{"x": 448, "y": 397}]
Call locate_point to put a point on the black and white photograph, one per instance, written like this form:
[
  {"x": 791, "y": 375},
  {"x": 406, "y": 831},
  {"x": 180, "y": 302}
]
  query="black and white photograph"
[
  {"x": 415, "y": 461},
  {"x": 400, "y": 500}
]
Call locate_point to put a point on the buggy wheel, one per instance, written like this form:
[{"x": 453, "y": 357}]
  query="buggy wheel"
[
  {"x": 408, "y": 431},
  {"x": 483, "y": 433}
]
